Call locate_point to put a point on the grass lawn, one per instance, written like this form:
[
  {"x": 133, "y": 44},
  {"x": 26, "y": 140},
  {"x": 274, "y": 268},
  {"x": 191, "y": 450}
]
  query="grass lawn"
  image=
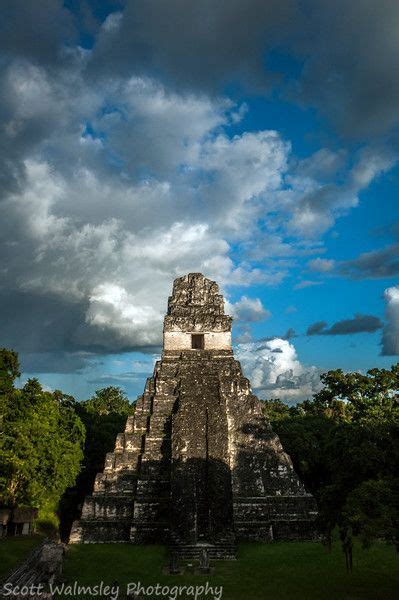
[
  {"x": 291, "y": 570},
  {"x": 14, "y": 550}
]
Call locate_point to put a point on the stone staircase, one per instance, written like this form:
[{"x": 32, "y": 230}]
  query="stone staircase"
[{"x": 130, "y": 500}]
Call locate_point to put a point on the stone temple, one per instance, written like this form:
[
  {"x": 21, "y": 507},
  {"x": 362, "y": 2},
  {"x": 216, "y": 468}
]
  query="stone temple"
[{"x": 198, "y": 464}]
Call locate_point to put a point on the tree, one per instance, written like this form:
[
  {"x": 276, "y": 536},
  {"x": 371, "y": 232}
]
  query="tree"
[
  {"x": 107, "y": 401},
  {"x": 275, "y": 409},
  {"x": 373, "y": 397},
  {"x": 371, "y": 511},
  {"x": 104, "y": 416},
  {"x": 41, "y": 446},
  {"x": 9, "y": 369},
  {"x": 344, "y": 444}
]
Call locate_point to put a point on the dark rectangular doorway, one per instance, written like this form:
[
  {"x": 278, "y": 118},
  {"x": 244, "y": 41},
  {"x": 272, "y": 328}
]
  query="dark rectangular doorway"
[{"x": 197, "y": 341}]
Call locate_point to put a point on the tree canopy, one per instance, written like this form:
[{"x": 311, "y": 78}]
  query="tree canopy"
[
  {"x": 344, "y": 444},
  {"x": 104, "y": 416},
  {"x": 41, "y": 444},
  {"x": 51, "y": 446}
]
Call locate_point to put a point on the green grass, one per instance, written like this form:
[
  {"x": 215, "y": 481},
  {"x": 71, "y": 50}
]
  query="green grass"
[
  {"x": 291, "y": 570},
  {"x": 14, "y": 550}
]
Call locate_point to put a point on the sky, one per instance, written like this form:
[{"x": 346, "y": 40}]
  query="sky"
[{"x": 254, "y": 141}]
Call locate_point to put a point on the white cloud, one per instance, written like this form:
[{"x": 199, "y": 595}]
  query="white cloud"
[
  {"x": 317, "y": 202},
  {"x": 322, "y": 163},
  {"x": 372, "y": 162},
  {"x": 124, "y": 185},
  {"x": 275, "y": 371},
  {"x": 321, "y": 265},
  {"x": 390, "y": 334},
  {"x": 248, "y": 170},
  {"x": 113, "y": 309},
  {"x": 248, "y": 310}
]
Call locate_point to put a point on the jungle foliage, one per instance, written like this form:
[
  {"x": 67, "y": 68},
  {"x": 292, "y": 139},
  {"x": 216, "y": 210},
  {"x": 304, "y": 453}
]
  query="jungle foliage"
[
  {"x": 51, "y": 446},
  {"x": 41, "y": 441},
  {"x": 344, "y": 444}
]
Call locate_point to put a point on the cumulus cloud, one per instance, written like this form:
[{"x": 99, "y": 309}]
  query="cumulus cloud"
[
  {"x": 390, "y": 334},
  {"x": 321, "y": 201},
  {"x": 359, "y": 324},
  {"x": 113, "y": 309},
  {"x": 119, "y": 171},
  {"x": 275, "y": 371},
  {"x": 322, "y": 164},
  {"x": 247, "y": 309},
  {"x": 95, "y": 229}
]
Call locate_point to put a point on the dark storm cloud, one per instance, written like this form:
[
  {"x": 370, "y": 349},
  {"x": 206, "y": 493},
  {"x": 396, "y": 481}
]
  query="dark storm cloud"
[
  {"x": 52, "y": 334},
  {"x": 33, "y": 41},
  {"x": 345, "y": 52},
  {"x": 196, "y": 45},
  {"x": 359, "y": 324},
  {"x": 351, "y": 71},
  {"x": 287, "y": 336},
  {"x": 38, "y": 323},
  {"x": 53, "y": 362},
  {"x": 35, "y": 30},
  {"x": 373, "y": 265},
  {"x": 316, "y": 328},
  {"x": 119, "y": 378},
  {"x": 290, "y": 333}
]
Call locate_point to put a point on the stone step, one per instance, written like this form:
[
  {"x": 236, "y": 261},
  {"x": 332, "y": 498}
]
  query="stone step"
[
  {"x": 153, "y": 469},
  {"x": 123, "y": 461},
  {"x": 165, "y": 387},
  {"x": 110, "y": 483},
  {"x": 163, "y": 403},
  {"x": 107, "y": 508},
  {"x": 150, "y": 510},
  {"x": 154, "y": 443},
  {"x": 159, "y": 421},
  {"x": 129, "y": 424},
  {"x": 153, "y": 487},
  {"x": 127, "y": 442},
  {"x": 194, "y": 551},
  {"x": 149, "y": 386},
  {"x": 100, "y": 531},
  {"x": 141, "y": 422}
]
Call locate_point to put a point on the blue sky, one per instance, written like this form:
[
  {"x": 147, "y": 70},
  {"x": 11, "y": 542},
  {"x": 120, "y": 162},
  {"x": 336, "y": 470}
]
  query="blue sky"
[{"x": 253, "y": 141}]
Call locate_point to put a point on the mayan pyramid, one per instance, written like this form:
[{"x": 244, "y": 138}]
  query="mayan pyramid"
[{"x": 198, "y": 464}]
